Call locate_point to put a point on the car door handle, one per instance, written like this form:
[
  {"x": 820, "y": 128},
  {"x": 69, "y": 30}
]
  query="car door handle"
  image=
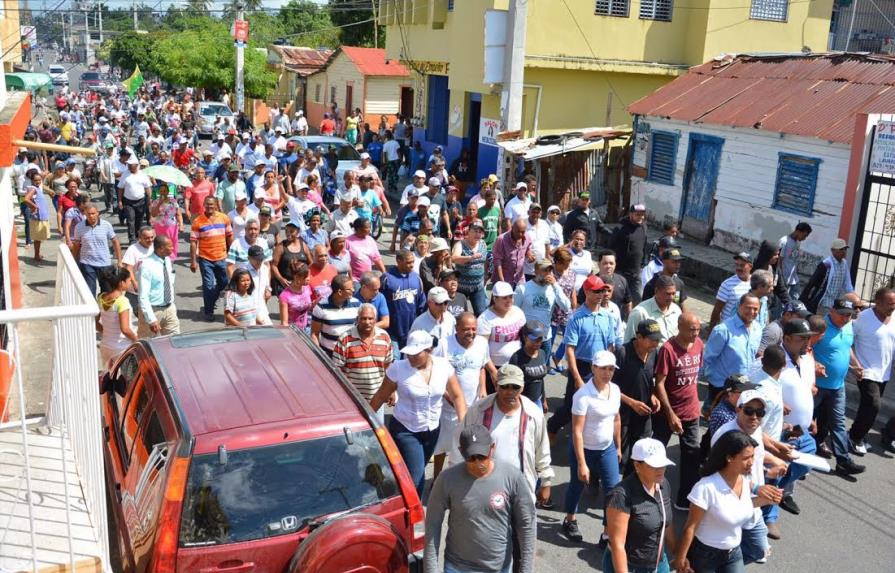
[{"x": 230, "y": 567}]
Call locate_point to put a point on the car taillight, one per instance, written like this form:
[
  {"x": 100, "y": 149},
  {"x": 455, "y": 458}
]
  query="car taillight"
[
  {"x": 168, "y": 530},
  {"x": 408, "y": 489}
]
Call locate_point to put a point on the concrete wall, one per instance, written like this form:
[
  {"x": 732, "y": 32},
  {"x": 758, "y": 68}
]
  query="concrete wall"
[{"x": 745, "y": 187}]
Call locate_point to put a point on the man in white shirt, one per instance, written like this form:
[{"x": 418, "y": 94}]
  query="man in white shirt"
[
  {"x": 133, "y": 197},
  {"x": 874, "y": 346},
  {"x": 343, "y": 217},
  {"x": 418, "y": 183},
  {"x": 391, "y": 159},
  {"x": 300, "y": 124},
  {"x": 539, "y": 232},
  {"x": 309, "y": 168},
  {"x": 436, "y": 320},
  {"x": 259, "y": 268},
  {"x": 517, "y": 207}
]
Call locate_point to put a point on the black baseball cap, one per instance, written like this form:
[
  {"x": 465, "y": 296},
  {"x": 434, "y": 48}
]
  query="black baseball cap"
[
  {"x": 672, "y": 255},
  {"x": 739, "y": 383},
  {"x": 844, "y": 306},
  {"x": 666, "y": 242},
  {"x": 256, "y": 252},
  {"x": 797, "y": 307},
  {"x": 797, "y": 327},
  {"x": 447, "y": 274},
  {"x": 743, "y": 256},
  {"x": 535, "y": 329},
  {"x": 475, "y": 440},
  {"x": 649, "y": 328}
]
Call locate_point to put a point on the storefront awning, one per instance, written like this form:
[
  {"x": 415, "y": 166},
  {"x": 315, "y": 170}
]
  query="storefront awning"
[{"x": 531, "y": 148}]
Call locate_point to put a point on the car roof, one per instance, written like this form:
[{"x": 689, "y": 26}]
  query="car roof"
[
  {"x": 232, "y": 378},
  {"x": 319, "y": 139}
]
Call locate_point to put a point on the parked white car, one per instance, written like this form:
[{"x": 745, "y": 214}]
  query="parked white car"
[{"x": 210, "y": 112}]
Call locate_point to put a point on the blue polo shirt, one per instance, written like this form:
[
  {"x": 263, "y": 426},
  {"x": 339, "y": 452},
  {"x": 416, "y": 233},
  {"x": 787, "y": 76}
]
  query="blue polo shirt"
[
  {"x": 378, "y": 301},
  {"x": 731, "y": 349},
  {"x": 589, "y": 332},
  {"x": 834, "y": 352}
]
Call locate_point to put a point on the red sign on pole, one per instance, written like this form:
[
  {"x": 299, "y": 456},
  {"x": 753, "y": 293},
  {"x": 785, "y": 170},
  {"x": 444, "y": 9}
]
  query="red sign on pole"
[{"x": 240, "y": 30}]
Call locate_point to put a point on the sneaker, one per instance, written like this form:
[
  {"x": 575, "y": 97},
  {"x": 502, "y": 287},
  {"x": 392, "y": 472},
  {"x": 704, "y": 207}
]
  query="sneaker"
[
  {"x": 762, "y": 561},
  {"x": 773, "y": 530},
  {"x": 570, "y": 528},
  {"x": 681, "y": 506},
  {"x": 859, "y": 448},
  {"x": 888, "y": 444},
  {"x": 848, "y": 467},
  {"x": 790, "y": 505}
]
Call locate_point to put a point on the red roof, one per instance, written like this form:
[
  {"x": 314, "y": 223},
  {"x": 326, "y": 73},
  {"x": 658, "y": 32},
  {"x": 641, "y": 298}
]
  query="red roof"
[
  {"x": 372, "y": 62},
  {"x": 815, "y": 95}
]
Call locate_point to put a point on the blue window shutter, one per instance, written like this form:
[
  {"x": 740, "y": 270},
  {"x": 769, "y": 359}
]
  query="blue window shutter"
[
  {"x": 439, "y": 98},
  {"x": 663, "y": 157},
  {"x": 796, "y": 184}
]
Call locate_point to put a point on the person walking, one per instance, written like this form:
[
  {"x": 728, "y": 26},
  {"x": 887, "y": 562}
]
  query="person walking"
[
  {"x": 167, "y": 218},
  {"x": 639, "y": 519},
  {"x": 629, "y": 242},
  {"x": 363, "y": 353},
  {"x": 790, "y": 256},
  {"x": 421, "y": 382},
  {"x": 732, "y": 347},
  {"x": 488, "y": 507},
  {"x": 210, "y": 239},
  {"x": 158, "y": 311},
  {"x": 677, "y": 375},
  {"x": 534, "y": 362},
  {"x": 468, "y": 257},
  {"x": 582, "y": 217},
  {"x": 404, "y": 294},
  {"x": 239, "y": 302},
  {"x": 873, "y": 351},
  {"x": 510, "y": 252},
  {"x": 133, "y": 197},
  {"x": 831, "y": 280},
  {"x": 335, "y": 314},
  {"x": 90, "y": 246},
  {"x": 436, "y": 320},
  {"x": 661, "y": 308},
  {"x": 115, "y": 321},
  {"x": 297, "y": 298},
  {"x": 539, "y": 296},
  {"x": 39, "y": 206},
  {"x": 732, "y": 289},
  {"x": 595, "y": 447},
  {"x": 501, "y": 323}
]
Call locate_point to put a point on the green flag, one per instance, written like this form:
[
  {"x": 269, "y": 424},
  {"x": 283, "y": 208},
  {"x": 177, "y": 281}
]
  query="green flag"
[{"x": 133, "y": 83}]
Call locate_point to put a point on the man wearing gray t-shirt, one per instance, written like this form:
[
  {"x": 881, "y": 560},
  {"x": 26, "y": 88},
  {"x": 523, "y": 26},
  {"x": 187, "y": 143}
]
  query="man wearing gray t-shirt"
[{"x": 490, "y": 505}]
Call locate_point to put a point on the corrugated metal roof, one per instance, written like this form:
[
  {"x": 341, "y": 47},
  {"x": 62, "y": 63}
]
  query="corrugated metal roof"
[
  {"x": 815, "y": 95},
  {"x": 302, "y": 61}
]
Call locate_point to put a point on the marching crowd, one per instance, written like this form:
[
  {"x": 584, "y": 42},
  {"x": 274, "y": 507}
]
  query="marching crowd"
[{"x": 490, "y": 293}]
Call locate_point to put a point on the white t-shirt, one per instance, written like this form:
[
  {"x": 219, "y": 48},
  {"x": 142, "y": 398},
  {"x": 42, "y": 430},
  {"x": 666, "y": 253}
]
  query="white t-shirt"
[
  {"x": 467, "y": 363},
  {"x": 555, "y": 234},
  {"x": 725, "y": 512},
  {"x": 440, "y": 331},
  {"x": 505, "y": 433},
  {"x": 134, "y": 185},
  {"x": 757, "y": 475},
  {"x": 391, "y": 148},
  {"x": 298, "y": 208},
  {"x": 797, "y": 384},
  {"x": 772, "y": 390},
  {"x": 238, "y": 222},
  {"x": 540, "y": 236},
  {"x": 502, "y": 333},
  {"x": 134, "y": 256},
  {"x": 516, "y": 209},
  {"x": 419, "y": 404},
  {"x": 874, "y": 345},
  {"x": 599, "y": 412},
  {"x": 583, "y": 265}
]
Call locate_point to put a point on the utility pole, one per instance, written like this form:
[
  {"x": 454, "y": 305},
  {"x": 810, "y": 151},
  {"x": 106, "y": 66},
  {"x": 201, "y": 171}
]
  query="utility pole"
[
  {"x": 99, "y": 8},
  {"x": 375, "y": 26},
  {"x": 240, "y": 63},
  {"x": 514, "y": 66}
]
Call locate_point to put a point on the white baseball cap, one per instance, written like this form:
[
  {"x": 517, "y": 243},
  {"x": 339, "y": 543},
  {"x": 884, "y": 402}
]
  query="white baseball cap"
[
  {"x": 438, "y": 244},
  {"x": 553, "y": 208},
  {"x": 419, "y": 173},
  {"x": 417, "y": 341},
  {"x": 434, "y": 182},
  {"x": 303, "y": 187},
  {"x": 241, "y": 195},
  {"x": 439, "y": 294},
  {"x": 521, "y": 185},
  {"x": 604, "y": 358},
  {"x": 502, "y": 288},
  {"x": 750, "y": 395},
  {"x": 365, "y": 155},
  {"x": 423, "y": 201},
  {"x": 651, "y": 452}
]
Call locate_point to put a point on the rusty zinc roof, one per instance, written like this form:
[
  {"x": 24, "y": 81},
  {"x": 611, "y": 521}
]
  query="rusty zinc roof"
[
  {"x": 814, "y": 95},
  {"x": 302, "y": 61}
]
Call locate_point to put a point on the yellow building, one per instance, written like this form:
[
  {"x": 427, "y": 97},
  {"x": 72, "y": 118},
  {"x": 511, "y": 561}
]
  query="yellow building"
[
  {"x": 10, "y": 33},
  {"x": 585, "y": 60}
]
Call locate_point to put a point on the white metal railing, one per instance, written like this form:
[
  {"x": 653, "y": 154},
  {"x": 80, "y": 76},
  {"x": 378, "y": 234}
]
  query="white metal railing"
[{"x": 73, "y": 407}]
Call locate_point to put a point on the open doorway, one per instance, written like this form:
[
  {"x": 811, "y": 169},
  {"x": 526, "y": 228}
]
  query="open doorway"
[
  {"x": 406, "y": 102},
  {"x": 475, "y": 119}
]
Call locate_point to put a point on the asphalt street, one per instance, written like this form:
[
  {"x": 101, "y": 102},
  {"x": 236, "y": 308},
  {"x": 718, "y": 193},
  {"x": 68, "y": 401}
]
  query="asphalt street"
[{"x": 845, "y": 525}]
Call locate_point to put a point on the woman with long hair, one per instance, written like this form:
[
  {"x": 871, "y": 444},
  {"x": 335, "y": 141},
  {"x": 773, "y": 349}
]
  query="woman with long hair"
[
  {"x": 296, "y": 300},
  {"x": 167, "y": 218},
  {"x": 240, "y": 308},
  {"x": 721, "y": 503},
  {"x": 500, "y": 325},
  {"x": 290, "y": 249},
  {"x": 116, "y": 317}
]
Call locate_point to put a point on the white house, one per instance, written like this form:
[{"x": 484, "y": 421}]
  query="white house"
[{"x": 740, "y": 149}]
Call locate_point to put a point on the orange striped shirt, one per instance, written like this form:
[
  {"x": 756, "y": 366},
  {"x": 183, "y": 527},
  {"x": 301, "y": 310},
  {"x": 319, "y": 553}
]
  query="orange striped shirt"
[{"x": 211, "y": 235}]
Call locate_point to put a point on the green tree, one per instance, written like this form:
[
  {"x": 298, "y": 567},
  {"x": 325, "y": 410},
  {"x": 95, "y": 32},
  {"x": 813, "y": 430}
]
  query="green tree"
[
  {"x": 200, "y": 6},
  {"x": 130, "y": 49},
  {"x": 354, "y": 17},
  {"x": 264, "y": 28},
  {"x": 306, "y": 23}
]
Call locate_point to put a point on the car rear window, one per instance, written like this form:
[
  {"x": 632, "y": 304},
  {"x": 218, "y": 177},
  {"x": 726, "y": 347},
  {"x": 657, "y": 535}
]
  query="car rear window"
[
  {"x": 344, "y": 151},
  {"x": 275, "y": 490},
  {"x": 90, "y": 76},
  {"x": 224, "y": 336}
]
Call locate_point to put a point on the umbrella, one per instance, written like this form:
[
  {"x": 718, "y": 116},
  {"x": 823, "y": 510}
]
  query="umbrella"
[{"x": 168, "y": 174}]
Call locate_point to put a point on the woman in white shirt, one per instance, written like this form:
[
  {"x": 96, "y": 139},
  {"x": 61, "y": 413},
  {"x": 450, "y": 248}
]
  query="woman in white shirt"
[
  {"x": 500, "y": 325},
  {"x": 596, "y": 440},
  {"x": 115, "y": 321},
  {"x": 582, "y": 262},
  {"x": 421, "y": 382},
  {"x": 721, "y": 503}
]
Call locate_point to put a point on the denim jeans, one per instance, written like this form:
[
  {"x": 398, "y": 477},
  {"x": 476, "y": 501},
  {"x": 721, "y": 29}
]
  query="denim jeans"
[
  {"x": 805, "y": 444},
  {"x": 691, "y": 456},
  {"x": 603, "y": 465},
  {"x": 26, "y": 216},
  {"x": 90, "y": 274},
  {"x": 416, "y": 448},
  {"x": 705, "y": 559},
  {"x": 561, "y": 349},
  {"x": 608, "y": 567},
  {"x": 868, "y": 408},
  {"x": 451, "y": 568},
  {"x": 755, "y": 544},
  {"x": 830, "y": 405},
  {"x": 214, "y": 280}
]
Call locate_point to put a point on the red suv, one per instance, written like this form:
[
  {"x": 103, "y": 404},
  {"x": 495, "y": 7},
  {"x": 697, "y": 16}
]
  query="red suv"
[{"x": 242, "y": 450}]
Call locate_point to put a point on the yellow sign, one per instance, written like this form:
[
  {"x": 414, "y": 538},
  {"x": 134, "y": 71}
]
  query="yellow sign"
[{"x": 428, "y": 68}]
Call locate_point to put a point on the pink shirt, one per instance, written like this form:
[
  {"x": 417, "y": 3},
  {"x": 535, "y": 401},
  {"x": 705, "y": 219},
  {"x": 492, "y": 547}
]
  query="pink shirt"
[
  {"x": 299, "y": 305},
  {"x": 364, "y": 252},
  {"x": 196, "y": 196}
]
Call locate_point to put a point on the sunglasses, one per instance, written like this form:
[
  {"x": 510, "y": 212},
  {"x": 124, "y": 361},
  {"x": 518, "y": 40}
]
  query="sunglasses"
[
  {"x": 512, "y": 387},
  {"x": 757, "y": 412},
  {"x": 476, "y": 458}
]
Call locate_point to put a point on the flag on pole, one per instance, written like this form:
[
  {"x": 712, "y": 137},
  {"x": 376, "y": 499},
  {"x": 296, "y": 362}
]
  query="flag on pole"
[{"x": 133, "y": 83}]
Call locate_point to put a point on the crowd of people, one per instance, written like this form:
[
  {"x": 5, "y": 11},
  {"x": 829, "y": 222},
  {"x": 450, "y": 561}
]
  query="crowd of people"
[{"x": 490, "y": 293}]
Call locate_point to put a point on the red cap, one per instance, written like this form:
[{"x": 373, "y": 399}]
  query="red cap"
[
  {"x": 593, "y": 282},
  {"x": 290, "y": 144}
]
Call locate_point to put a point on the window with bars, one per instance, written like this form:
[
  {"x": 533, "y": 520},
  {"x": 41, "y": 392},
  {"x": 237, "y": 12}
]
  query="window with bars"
[
  {"x": 317, "y": 88},
  {"x": 656, "y": 10},
  {"x": 662, "y": 157},
  {"x": 796, "y": 184},
  {"x": 612, "y": 8},
  {"x": 773, "y": 10},
  {"x": 450, "y": 5}
]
